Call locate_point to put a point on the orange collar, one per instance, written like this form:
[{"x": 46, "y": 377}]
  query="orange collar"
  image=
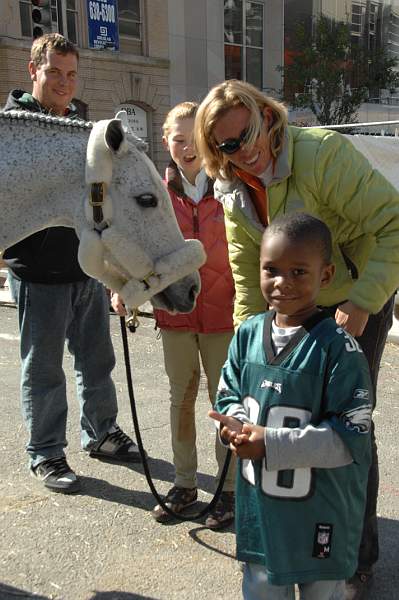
[{"x": 258, "y": 194}]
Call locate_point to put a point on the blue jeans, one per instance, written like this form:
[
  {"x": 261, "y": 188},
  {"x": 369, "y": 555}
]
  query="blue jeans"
[
  {"x": 256, "y": 587},
  {"x": 49, "y": 315},
  {"x": 372, "y": 342}
]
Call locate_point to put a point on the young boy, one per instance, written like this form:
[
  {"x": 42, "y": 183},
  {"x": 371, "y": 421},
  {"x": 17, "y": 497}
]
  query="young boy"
[{"x": 294, "y": 403}]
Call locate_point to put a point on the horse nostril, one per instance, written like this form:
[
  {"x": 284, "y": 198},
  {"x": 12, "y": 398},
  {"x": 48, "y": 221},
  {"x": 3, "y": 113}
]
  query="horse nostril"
[
  {"x": 192, "y": 294},
  {"x": 147, "y": 200}
]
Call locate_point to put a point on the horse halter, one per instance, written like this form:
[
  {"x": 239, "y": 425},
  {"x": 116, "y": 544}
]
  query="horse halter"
[{"x": 96, "y": 200}]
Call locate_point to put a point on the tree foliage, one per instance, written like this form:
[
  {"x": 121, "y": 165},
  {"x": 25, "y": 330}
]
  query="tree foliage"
[{"x": 330, "y": 76}]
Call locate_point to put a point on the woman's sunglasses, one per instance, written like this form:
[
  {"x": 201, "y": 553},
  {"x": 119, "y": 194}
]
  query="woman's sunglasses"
[{"x": 231, "y": 145}]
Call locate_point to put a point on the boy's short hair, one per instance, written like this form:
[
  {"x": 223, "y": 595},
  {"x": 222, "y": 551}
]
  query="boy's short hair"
[
  {"x": 51, "y": 41},
  {"x": 184, "y": 110},
  {"x": 301, "y": 227}
]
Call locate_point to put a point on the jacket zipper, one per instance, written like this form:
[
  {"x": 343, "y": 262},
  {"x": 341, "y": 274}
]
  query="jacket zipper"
[
  {"x": 352, "y": 269},
  {"x": 196, "y": 235},
  {"x": 195, "y": 220}
]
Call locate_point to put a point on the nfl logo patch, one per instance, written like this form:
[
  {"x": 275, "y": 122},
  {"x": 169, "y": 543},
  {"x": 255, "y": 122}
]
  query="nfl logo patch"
[
  {"x": 322, "y": 540},
  {"x": 323, "y": 537}
]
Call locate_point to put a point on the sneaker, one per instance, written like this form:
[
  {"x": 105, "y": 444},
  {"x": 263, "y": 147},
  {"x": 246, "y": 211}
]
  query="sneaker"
[
  {"x": 357, "y": 586},
  {"x": 223, "y": 513},
  {"x": 117, "y": 447},
  {"x": 177, "y": 499},
  {"x": 56, "y": 475}
]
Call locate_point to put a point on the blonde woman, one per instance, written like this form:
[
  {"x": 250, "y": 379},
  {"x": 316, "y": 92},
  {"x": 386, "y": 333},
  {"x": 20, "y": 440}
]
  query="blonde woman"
[{"x": 264, "y": 168}]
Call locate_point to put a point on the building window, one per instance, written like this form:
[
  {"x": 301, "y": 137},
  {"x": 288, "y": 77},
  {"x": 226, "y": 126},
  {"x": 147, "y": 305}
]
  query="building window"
[
  {"x": 373, "y": 19},
  {"x": 64, "y": 18},
  {"x": 129, "y": 18},
  {"x": 243, "y": 40},
  {"x": 25, "y": 8},
  {"x": 357, "y": 23},
  {"x": 393, "y": 39}
]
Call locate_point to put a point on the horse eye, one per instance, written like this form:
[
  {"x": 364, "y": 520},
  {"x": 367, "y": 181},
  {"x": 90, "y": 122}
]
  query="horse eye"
[{"x": 147, "y": 200}]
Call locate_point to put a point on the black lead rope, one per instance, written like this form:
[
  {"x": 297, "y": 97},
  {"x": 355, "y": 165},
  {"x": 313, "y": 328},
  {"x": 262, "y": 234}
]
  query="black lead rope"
[{"x": 157, "y": 497}]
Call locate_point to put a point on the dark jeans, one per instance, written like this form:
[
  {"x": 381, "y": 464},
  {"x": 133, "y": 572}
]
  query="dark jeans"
[
  {"x": 372, "y": 342},
  {"x": 49, "y": 315}
]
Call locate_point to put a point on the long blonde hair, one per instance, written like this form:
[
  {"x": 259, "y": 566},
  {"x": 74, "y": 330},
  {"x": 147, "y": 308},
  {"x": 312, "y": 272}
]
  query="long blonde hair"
[{"x": 220, "y": 99}]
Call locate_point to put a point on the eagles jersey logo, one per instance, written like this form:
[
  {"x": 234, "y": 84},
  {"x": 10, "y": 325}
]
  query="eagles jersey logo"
[
  {"x": 358, "y": 419},
  {"x": 271, "y": 384}
]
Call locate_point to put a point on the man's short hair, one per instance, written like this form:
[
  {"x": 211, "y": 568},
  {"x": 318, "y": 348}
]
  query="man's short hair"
[
  {"x": 51, "y": 41},
  {"x": 302, "y": 227}
]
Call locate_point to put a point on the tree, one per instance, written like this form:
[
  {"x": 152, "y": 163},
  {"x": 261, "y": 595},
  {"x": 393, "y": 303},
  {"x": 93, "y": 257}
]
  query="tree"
[{"x": 330, "y": 76}]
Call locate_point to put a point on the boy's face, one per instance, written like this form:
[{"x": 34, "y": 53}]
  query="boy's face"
[
  {"x": 291, "y": 275},
  {"x": 180, "y": 143},
  {"x": 55, "y": 80}
]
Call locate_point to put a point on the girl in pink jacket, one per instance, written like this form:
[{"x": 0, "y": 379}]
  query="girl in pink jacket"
[{"x": 201, "y": 337}]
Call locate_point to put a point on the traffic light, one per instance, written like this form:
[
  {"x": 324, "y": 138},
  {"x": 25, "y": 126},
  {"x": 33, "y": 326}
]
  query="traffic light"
[{"x": 41, "y": 17}]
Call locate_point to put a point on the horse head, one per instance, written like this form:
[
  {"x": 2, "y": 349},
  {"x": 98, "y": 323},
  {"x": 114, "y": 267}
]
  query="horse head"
[{"x": 129, "y": 236}]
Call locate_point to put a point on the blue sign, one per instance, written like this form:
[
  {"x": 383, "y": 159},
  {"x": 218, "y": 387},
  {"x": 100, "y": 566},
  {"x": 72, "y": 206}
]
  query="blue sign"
[{"x": 102, "y": 17}]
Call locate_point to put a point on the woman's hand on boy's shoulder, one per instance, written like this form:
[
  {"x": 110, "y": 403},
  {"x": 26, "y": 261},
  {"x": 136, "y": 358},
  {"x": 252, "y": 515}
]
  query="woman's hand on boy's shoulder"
[{"x": 352, "y": 318}]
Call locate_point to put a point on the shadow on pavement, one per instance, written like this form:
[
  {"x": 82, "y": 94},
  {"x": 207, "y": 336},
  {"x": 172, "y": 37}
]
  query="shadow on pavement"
[
  {"x": 160, "y": 470},
  {"x": 386, "y": 579},
  {"x": 120, "y": 596},
  {"x": 163, "y": 470},
  {"x": 7, "y": 592},
  {"x": 193, "y": 533},
  {"x": 102, "y": 489}
]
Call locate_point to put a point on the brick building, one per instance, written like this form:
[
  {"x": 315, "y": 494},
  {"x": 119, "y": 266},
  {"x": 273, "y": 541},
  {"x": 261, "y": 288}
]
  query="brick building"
[
  {"x": 135, "y": 76},
  {"x": 169, "y": 51}
]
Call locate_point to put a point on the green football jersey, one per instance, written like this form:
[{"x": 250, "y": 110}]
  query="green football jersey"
[{"x": 302, "y": 524}]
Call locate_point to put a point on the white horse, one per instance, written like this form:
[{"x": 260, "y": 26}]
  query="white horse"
[{"x": 97, "y": 179}]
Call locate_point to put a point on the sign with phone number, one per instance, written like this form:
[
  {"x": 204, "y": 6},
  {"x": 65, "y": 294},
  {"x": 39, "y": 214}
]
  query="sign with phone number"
[{"x": 102, "y": 17}]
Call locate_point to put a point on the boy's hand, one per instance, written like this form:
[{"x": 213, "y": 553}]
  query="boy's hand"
[
  {"x": 229, "y": 426},
  {"x": 352, "y": 318},
  {"x": 251, "y": 442}
]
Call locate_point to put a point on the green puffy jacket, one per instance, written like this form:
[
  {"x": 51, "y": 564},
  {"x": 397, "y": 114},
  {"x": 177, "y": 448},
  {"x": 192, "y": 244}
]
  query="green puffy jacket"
[{"x": 321, "y": 173}]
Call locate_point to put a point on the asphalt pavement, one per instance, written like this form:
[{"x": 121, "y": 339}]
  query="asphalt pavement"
[{"x": 102, "y": 544}]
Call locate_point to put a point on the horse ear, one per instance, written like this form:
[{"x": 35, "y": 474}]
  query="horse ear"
[
  {"x": 138, "y": 142},
  {"x": 122, "y": 116},
  {"x": 115, "y": 137}
]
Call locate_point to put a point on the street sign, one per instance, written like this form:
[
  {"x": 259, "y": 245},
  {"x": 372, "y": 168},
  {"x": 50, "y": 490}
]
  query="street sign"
[{"x": 102, "y": 19}]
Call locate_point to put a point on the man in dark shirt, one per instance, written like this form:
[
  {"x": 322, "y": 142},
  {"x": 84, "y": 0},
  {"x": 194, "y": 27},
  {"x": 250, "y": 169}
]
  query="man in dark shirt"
[{"x": 57, "y": 302}]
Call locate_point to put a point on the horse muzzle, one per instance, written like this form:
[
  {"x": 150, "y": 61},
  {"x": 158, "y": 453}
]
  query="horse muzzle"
[{"x": 123, "y": 266}]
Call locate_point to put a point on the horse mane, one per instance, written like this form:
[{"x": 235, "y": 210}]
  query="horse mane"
[
  {"x": 42, "y": 119},
  {"x": 24, "y": 116}
]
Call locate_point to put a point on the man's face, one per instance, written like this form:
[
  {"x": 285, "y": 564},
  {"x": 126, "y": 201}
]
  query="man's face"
[{"x": 55, "y": 80}]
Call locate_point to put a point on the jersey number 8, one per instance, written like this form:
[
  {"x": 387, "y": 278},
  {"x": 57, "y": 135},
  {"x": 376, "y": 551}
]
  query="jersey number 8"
[{"x": 290, "y": 484}]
